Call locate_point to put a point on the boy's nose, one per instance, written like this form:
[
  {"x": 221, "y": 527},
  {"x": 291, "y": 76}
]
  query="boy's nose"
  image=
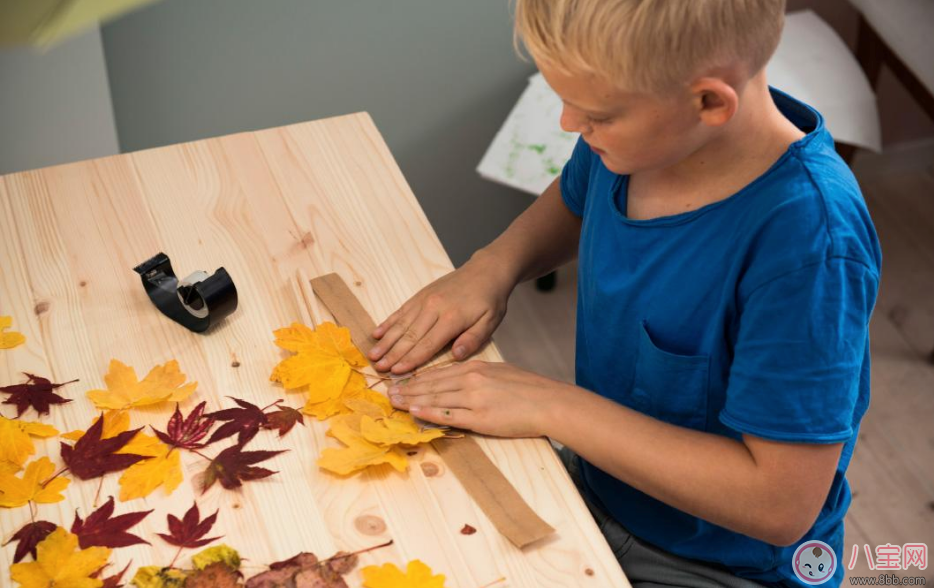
[{"x": 573, "y": 122}]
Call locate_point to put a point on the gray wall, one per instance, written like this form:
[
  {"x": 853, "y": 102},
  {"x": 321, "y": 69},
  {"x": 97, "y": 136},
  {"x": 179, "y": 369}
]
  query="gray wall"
[
  {"x": 54, "y": 105},
  {"x": 438, "y": 77}
]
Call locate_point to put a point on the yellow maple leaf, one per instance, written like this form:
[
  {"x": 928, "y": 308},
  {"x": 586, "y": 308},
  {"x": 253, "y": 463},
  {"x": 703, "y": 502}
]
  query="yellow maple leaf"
[
  {"x": 163, "y": 468},
  {"x": 358, "y": 453},
  {"x": 115, "y": 422},
  {"x": 417, "y": 575},
  {"x": 9, "y": 339},
  {"x": 394, "y": 431},
  {"x": 324, "y": 360},
  {"x": 369, "y": 402},
  {"x": 163, "y": 383},
  {"x": 16, "y": 491},
  {"x": 15, "y": 442},
  {"x": 61, "y": 564},
  {"x": 334, "y": 406},
  {"x": 8, "y": 467}
]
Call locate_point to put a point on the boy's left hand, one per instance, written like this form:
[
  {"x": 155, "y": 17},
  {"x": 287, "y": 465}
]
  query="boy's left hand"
[{"x": 491, "y": 398}]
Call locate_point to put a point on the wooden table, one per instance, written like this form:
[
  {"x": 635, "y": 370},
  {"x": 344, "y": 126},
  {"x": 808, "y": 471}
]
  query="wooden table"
[{"x": 314, "y": 197}]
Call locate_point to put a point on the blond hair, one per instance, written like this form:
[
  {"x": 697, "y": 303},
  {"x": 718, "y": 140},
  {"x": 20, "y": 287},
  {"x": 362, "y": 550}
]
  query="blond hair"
[{"x": 649, "y": 45}]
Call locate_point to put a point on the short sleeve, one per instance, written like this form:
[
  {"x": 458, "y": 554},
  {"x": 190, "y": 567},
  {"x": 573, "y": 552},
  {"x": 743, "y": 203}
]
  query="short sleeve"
[
  {"x": 801, "y": 354},
  {"x": 575, "y": 178}
]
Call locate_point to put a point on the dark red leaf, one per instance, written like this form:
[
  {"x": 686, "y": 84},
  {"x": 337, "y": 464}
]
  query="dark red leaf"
[
  {"x": 186, "y": 432},
  {"x": 36, "y": 392},
  {"x": 114, "y": 581},
  {"x": 190, "y": 530},
  {"x": 244, "y": 421},
  {"x": 468, "y": 530},
  {"x": 284, "y": 419},
  {"x": 29, "y": 536},
  {"x": 103, "y": 529},
  {"x": 233, "y": 466},
  {"x": 92, "y": 457}
]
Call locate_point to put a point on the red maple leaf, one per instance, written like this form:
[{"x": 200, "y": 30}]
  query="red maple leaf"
[
  {"x": 233, "y": 466},
  {"x": 114, "y": 581},
  {"x": 186, "y": 432},
  {"x": 244, "y": 421},
  {"x": 190, "y": 530},
  {"x": 36, "y": 392},
  {"x": 284, "y": 419},
  {"x": 92, "y": 457},
  {"x": 105, "y": 530},
  {"x": 29, "y": 536}
]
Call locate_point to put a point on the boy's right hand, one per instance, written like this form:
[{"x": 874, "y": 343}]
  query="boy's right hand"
[{"x": 467, "y": 304}]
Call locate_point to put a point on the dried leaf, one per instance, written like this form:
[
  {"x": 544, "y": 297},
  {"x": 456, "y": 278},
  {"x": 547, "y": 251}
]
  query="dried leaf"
[
  {"x": 60, "y": 563},
  {"x": 306, "y": 571},
  {"x": 187, "y": 432},
  {"x": 16, "y": 491},
  {"x": 103, "y": 529},
  {"x": 222, "y": 553},
  {"x": 244, "y": 421},
  {"x": 11, "y": 339},
  {"x": 216, "y": 575},
  {"x": 163, "y": 383},
  {"x": 115, "y": 422},
  {"x": 15, "y": 443},
  {"x": 162, "y": 468},
  {"x": 28, "y": 537},
  {"x": 114, "y": 580},
  {"x": 359, "y": 452},
  {"x": 233, "y": 466},
  {"x": 190, "y": 530},
  {"x": 322, "y": 409},
  {"x": 92, "y": 457},
  {"x": 417, "y": 575},
  {"x": 323, "y": 361},
  {"x": 36, "y": 392},
  {"x": 159, "y": 577},
  {"x": 284, "y": 419},
  {"x": 398, "y": 429}
]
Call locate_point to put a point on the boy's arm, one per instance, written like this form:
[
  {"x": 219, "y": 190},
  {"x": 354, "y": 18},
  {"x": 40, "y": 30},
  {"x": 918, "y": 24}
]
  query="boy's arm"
[{"x": 468, "y": 304}]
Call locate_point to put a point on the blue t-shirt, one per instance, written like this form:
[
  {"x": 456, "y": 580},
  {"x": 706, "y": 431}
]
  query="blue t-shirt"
[{"x": 749, "y": 315}]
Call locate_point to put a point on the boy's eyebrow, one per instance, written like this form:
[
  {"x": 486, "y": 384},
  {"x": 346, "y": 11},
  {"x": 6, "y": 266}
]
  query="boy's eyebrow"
[{"x": 587, "y": 110}]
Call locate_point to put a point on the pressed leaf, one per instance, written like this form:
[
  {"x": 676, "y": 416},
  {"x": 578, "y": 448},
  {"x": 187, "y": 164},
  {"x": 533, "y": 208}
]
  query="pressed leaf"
[
  {"x": 358, "y": 453},
  {"x": 61, "y": 563},
  {"x": 15, "y": 491},
  {"x": 28, "y": 537},
  {"x": 396, "y": 430},
  {"x": 244, "y": 421},
  {"x": 36, "y": 392},
  {"x": 323, "y": 361},
  {"x": 283, "y": 419},
  {"x": 233, "y": 466},
  {"x": 187, "y": 432},
  {"x": 103, "y": 529},
  {"x": 92, "y": 457},
  {"x": 162, "y": 468},
  {"x": 163, "y": 383},
  {"x": 416, "y": 575},
  {"x": 9, "y": 339},
  {"x": 15, "y": 440},
  {"x": 189, "y": 531}
]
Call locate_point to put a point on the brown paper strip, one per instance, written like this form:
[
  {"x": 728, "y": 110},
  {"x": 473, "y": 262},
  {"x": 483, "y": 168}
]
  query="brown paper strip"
[{"x": 492, "y": 492}]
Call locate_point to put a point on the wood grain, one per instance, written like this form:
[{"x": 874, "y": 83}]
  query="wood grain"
[{"x": 316, "y": 197}]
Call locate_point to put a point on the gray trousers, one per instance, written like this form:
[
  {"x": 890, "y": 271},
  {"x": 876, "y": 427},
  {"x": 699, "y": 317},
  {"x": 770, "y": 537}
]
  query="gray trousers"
[{"x": 647, "y": 566}]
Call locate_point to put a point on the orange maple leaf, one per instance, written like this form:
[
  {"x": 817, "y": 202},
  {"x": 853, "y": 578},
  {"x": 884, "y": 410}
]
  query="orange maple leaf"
[
  {"x": 163, "y": 383},
  {"x": 416, "y": 575}
]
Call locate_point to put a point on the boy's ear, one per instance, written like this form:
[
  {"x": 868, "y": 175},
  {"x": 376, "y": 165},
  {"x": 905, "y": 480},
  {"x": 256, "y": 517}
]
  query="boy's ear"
[{"x": 715, "y": 100}]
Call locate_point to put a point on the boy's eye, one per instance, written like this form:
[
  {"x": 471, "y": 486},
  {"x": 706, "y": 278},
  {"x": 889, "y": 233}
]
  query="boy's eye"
[{"x": 599, "y": 121}]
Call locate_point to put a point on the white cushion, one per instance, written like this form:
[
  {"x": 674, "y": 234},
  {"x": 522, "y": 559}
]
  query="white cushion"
[
  {"x": 907, "y": 27},
  {"x": 813, "y": 64}
]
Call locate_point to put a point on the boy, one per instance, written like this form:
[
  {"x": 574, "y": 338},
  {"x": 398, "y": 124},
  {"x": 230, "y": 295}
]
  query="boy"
[{"x": 727, "y": 272}]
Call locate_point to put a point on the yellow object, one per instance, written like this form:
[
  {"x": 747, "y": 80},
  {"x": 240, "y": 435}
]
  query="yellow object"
[
  {"x": 16, "y": 442},
  {"x": 163, "y": 383},
  {"x": 324, "y": 360},
  {"x": 10, "y": 339},
  {"x": 417, "y": 575},
  {"x": 19, "y": 491},
  {"x": 59, "y": 563},
  {"x": 399, "y": 429},
  {"x": 359, "y": 452},
  {"x": 162, "y": 468},
  {"x": 115, "y": 422},
  {"x": 46, "y": 22}
]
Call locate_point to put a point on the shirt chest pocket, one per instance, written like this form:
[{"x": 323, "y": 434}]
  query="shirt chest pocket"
[{"x": 670, "y": 387}]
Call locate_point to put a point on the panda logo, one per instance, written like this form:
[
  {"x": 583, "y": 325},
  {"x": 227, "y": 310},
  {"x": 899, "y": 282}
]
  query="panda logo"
[{"x": 814, "y": 562}]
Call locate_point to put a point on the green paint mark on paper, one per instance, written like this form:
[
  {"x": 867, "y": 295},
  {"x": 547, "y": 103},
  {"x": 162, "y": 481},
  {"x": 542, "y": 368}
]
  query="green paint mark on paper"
[{"x": 539, "y": 148}]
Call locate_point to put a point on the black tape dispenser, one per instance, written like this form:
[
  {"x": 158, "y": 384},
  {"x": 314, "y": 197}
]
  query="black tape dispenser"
[{"x": 197, "y": 302}]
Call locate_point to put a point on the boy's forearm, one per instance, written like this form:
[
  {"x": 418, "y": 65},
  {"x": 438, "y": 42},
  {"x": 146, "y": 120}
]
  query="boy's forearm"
[
  {"x": 710, "y": 476},
  {"x": 541, "y": 239}
]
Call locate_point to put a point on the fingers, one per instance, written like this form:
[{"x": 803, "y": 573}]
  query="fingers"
[
  {"x": 401, "y": 337},
  {"x": 470, "y": 340},
  {"x": 461, "y": 418},
  {"x": 379, "y": 331},
  {"x": 452, "y": 399},
  {"x": 426, "y": 347}
]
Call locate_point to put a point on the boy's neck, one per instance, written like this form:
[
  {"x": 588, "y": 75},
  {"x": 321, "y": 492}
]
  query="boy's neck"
[{"x": 757, "y": 136}]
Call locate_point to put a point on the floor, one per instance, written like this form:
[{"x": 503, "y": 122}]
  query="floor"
[{"x": 892, "y": 472}]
